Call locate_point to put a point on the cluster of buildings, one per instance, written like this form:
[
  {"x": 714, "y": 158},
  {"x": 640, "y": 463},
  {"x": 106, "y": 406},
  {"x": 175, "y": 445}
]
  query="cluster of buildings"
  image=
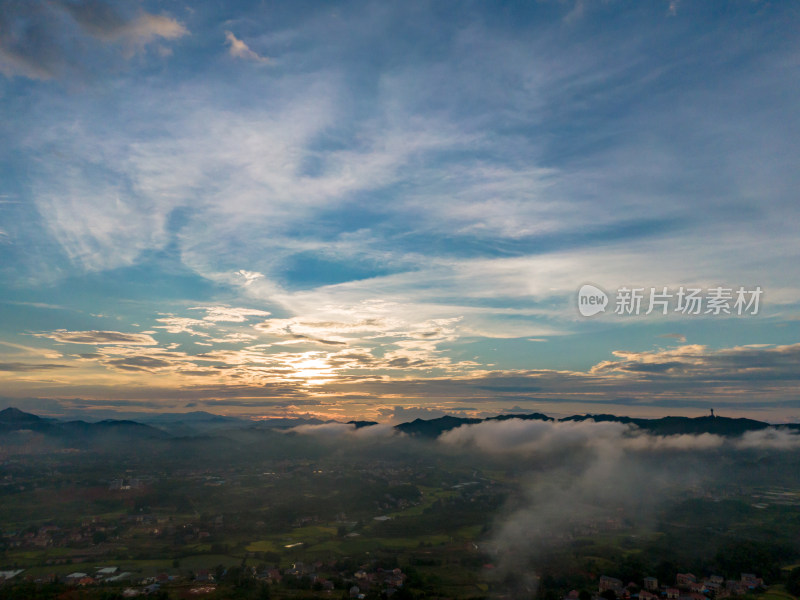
[
  {"x": 686, "y": 587},
  {"x": 132, "y": 483},
  {"x": 388, "y": 580},
  {"x": 101, "y": 575},
  {"x": 77, "y": 578},
  {"x": 9, "y": 574},
  {"x": 95, "y": 538},
  {"x": 320, "y": 576}
]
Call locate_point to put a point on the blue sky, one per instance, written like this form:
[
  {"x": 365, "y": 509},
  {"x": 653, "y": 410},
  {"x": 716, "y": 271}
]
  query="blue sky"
[{"x": 383, "y": 210}]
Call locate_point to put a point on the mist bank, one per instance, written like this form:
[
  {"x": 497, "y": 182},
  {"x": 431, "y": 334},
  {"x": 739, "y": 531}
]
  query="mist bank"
[
  {"x": 529, "y": 487},
  {"x": 515, "y": 433},
  {"x": 599, "y": 480},
  {"x": 586, "y": 480}
]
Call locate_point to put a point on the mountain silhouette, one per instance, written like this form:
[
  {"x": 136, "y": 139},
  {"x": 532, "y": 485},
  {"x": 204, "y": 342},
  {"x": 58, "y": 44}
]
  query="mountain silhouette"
[{"x": 13, "y": 419}]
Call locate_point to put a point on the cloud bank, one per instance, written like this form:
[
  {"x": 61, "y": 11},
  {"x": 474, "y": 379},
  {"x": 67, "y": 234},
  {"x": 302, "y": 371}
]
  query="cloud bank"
[{"x": 44, "y": 40}]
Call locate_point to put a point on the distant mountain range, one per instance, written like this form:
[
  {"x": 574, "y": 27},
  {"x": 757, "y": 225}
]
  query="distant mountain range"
[
  {"x": 433, "y": 428},
  {"x": 198, "y": 416},
  {"x": 15, "y": 420},
  {"x": 723, "y": 426},
  {"x": 167, "y": 425},
  {"x": 677, "y": 425}
]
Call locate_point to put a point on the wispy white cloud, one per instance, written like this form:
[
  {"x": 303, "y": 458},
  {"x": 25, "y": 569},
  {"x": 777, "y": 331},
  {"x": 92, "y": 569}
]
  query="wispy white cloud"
[
  {"x": 99, "y": 337},
  {"x": 238, "y": 49},
  {"x": 45, "y": 352},
  {"x": 249, "y": 276},
  {"x": 554, "y": 438},
  {"x": 229, "y": 314},
  {"x": 342, "y": 430},
  {"x": 775, "y": 439},
  {"x": 234, "y": 338},
  {"x": 174, "y": 324}
]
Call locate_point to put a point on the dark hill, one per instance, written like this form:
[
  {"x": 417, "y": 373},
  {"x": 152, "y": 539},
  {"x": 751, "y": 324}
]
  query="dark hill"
[
  {"x": 718, "y": 425},
  {"x": 530, "y": 417},
  {"x": 433, "y": 428},
  {"x": 603, "y": 419},
  {"x": 193, "y": 417},
  {"x": 111, "y": 429},
  {"x": 724, "y": 426},
  {"x": 14, "y": 415},
  {"x": 360, "y": 424},
  {"x": 13, "y": 419}
]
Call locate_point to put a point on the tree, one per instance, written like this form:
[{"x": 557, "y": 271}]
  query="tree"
[
  {"x": 98, "y": 537},
  {"x": 793, "y": 582},
  {"x": 746, "y": 556}
]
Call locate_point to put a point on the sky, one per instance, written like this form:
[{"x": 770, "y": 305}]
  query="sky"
[{"x": 387, "y": 210}]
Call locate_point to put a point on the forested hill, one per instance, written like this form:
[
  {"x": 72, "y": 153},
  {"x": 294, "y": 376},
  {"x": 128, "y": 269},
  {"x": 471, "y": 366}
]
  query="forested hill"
[{"x": 15, "y": 420}]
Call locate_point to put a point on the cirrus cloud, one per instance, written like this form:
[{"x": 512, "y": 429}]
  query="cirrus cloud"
[
  {"x": 238, "y": 49},
  {"x": 100, "y": 337}
]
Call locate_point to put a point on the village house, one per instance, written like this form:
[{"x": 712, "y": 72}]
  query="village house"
[
  {"x": 152, "y": 589},
  {"x": 572, "y": 595},
  {"x": 734, "y": 588},
  {"x": 713, "y": 584},
  {"x": 9, "y": 575},
  {"x": 697, "y": 587},
  {"x": 751, "y": 582},
  {"x": 610, "y": 583},
  {"x": 106, "y": 572}
]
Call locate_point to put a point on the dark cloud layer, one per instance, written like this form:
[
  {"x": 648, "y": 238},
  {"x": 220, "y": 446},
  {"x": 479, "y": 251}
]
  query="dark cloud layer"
[
  {"x": 23, "y": 367},
  {"x": 43, "y": 40}
]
